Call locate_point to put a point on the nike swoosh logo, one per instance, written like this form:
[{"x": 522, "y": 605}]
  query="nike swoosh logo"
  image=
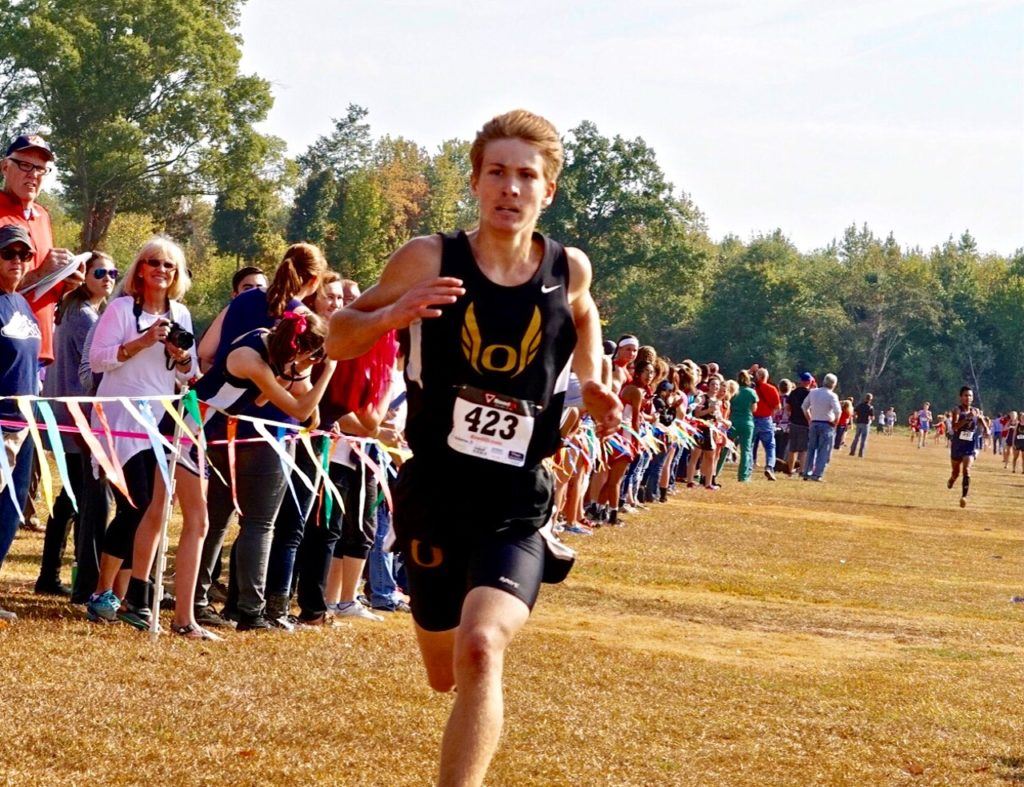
[{"x": 545, "y": 289}]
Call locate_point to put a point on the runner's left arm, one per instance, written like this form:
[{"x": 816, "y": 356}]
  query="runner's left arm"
[{"x": 603, "y": 406}]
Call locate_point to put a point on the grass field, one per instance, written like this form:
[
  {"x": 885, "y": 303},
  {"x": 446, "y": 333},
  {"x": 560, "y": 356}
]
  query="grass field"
[{"x": 855, "y": 632}]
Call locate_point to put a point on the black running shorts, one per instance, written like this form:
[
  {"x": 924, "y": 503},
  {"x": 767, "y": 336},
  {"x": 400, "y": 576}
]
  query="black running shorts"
[{"x": 462, "y": 526}]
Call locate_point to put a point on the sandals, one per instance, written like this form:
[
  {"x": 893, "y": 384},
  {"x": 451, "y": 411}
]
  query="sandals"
[{"x": 195, "y": 631}]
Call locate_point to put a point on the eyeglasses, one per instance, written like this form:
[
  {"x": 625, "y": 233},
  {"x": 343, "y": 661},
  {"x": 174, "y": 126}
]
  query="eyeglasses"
[
  {"x": 318, "y": 354},
  {"x": 100, "y": 273},
  {"x": 9, "y": 254},
  {"x": 28, "y": 167},
  {"x": 163, "y": 264}
]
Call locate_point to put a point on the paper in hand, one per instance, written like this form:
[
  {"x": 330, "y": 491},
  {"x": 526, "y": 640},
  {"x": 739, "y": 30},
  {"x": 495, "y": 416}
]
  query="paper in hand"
[{"x": 44, "y": 285}]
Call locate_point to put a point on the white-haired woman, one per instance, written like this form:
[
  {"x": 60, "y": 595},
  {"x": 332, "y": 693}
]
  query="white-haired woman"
[{"x": 139, "y": 347}]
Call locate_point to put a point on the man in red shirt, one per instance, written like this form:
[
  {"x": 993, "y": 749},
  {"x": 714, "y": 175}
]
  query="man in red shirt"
[
  {"x": 27, "y": 161},
  {"x": 769, "y": 402}
]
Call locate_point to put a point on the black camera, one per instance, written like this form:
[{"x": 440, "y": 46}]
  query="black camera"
[{"x": 179, "y": 337}]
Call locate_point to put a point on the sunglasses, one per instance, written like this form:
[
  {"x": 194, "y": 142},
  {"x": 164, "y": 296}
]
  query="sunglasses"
[
  {"x": 164, "y": 264},
  {"x": 318, "y": 354},
  {"x": 10, "y": 254},
  {"x": 99, "y": 273},
  {"x": 28, "y": 167}
]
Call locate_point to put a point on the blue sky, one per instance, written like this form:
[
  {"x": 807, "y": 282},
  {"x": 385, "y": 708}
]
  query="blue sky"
[{"x": 806, "y": 116}]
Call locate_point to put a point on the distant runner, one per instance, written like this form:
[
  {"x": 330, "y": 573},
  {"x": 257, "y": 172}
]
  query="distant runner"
[{"x": 967, "y": 421}]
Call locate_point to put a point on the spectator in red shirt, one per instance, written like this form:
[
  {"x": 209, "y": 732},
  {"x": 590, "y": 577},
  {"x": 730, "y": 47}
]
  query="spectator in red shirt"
[
  {"x": 769, "y": 402},
  {"x": 27, "y": 161}
]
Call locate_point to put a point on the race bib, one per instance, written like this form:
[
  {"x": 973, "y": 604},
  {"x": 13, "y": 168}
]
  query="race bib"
[
  {"x": 491, "y": 426},
  {"x": 967, "y": 436}
]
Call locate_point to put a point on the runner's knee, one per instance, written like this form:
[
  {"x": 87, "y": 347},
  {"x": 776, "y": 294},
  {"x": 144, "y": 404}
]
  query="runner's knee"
[{"x": 480, "y": 648}]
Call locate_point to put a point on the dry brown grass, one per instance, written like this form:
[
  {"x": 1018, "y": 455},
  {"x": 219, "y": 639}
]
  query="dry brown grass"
[{"x": 853, "y": 632}]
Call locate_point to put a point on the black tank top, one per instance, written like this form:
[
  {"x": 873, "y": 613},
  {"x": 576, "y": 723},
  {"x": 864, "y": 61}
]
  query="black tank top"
[
  {"x": 495, "y": 347},
  {"x": 966, "y": 421},
  {"x": 230, "y": 394}
]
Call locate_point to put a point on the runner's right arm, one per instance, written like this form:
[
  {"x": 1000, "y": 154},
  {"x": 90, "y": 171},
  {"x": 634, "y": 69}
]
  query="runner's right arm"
[{"x": 409, "y": 289}]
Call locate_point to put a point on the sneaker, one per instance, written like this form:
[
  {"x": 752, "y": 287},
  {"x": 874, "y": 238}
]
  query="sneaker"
[
  {"x": 136, "y": 617},
  {"x": 963, "y": 502},
  {"x": 352, "y": 609},
  {"x": 218, "y": 592},
  {"x": 7, "y": 617},
  {"x": 253, "y": 623},
  {"x": 282, "y": 622},
  {"x": 55, "y": 588},
  {"x": 950, "y": 482},
  {"x": 306, "y": 620},
  {"x": 363, "y": 599},
  {"x": 397, "y": 606},
  {"x": 579, "y": 530},
  {"x": 207, "y": 616},
  {"x": 103, "y": 607},
  {"x": 769, "y": 474}
]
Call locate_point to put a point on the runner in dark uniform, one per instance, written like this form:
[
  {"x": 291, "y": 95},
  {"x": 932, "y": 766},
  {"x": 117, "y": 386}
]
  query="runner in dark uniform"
[
  {"x": 486, "y": 378},
  {"x": 967, "y": 421}
]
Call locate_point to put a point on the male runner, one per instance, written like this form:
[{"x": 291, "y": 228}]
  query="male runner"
[
  {"x": 967, "y": 421},
  {"x": 486, "y": 380}
]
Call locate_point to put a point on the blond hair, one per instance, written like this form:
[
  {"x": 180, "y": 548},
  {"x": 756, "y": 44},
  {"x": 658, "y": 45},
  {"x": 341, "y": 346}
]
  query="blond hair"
[
  {"x": 159, "y": 247},
  {"x": 524, "y": 125}
]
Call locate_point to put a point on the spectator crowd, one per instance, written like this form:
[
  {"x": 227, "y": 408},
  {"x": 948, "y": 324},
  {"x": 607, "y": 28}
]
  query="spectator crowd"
[{"x": 296, "y": 447}]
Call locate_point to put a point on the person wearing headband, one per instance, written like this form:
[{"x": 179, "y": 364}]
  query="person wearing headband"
[{"x": 622, "y": 362}]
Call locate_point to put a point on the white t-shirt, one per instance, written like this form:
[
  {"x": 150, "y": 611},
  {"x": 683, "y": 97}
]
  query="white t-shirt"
[{"x": 144, "y": 374}]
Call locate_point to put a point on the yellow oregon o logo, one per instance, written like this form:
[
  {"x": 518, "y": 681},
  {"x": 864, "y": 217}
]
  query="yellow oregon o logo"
[
  {"x": 436, "y": 555},
  {"x": 509, "y": 359},
  {"x": 487, "y": 358}
]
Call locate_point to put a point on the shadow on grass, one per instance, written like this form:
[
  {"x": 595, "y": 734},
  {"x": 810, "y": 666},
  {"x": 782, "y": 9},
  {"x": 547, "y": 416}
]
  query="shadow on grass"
[
  {"x": 1011, "y": 769},
  {"x": 32, "y": 607}
]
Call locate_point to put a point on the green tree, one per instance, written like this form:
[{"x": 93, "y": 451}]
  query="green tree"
[
  {"x": 361, "y": 249},
  {"x": 449, "y": 201},
  {"x": 887, "y": 295},
  {"x": 323, "y": 170},
  {"x": 310, "y": 220},
  {"x": 647, "y": 245},
  {"x": 247, "y": 216},
  {"x": 346, "y": 149},
  {"x": 138, "y": 93}
]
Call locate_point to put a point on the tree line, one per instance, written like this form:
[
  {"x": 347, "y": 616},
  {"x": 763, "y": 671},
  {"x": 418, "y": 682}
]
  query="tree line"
[{"x": 155, "y": 129}]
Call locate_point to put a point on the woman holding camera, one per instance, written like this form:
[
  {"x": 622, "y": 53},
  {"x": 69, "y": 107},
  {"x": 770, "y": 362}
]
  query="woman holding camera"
[
  {"x": 143, "y": 346},
  {"x": 254, "y": 369}
]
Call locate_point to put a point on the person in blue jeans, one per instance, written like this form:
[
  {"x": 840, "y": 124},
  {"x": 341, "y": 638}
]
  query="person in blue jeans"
[
  {"x": 822, "y": 408},
  {"x": 863, "y": 415},
  {"x": 769, "y": 403},
  {"x": 20, "y": 341},
  {"x": 384, "y": 592}
]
